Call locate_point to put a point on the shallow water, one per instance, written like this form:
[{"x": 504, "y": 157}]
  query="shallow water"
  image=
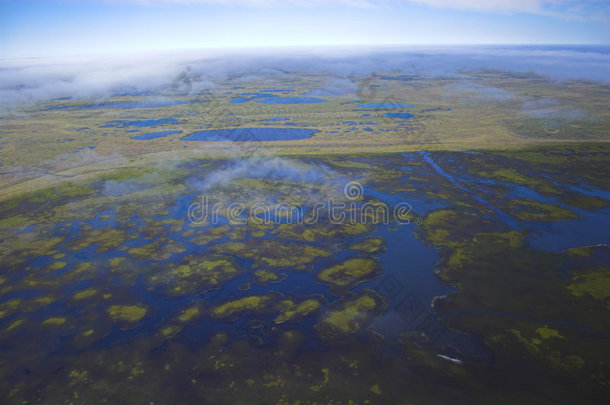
[
  {"x": 140, "y": 123},
  {"x": 245, "y": 97},
  {"x": 503, "y": 216},
  {"x": 155, "y": 135},
  {"x": 406, "y": 277},
  {"x": 591, "y": 228},
  {"x": 399, "y": 115}
]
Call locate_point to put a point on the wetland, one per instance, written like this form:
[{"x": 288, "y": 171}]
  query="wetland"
[{"x": 300, "y": 238}]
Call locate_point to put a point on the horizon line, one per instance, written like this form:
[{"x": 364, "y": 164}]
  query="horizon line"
[{"x": 309, "y": 47}]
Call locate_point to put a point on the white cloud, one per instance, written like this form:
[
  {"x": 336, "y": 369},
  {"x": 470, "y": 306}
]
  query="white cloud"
[
  {"x": 26, "y": 81},
  {"x": 529, "y": 6}
]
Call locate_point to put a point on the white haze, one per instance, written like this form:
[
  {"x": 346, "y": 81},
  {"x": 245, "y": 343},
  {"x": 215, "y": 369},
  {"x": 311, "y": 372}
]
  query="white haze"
[{"x": 26, "y": 81}]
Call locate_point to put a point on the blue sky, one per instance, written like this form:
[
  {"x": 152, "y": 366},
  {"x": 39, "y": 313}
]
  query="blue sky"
[{"x": 74, "y": 27}]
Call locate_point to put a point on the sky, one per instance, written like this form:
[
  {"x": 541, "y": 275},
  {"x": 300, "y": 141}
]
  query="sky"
[{"x": 30, "y": 28}]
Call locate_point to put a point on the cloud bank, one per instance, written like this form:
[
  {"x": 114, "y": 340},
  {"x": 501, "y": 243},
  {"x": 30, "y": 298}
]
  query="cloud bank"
[{"x": 26, "y": 81}]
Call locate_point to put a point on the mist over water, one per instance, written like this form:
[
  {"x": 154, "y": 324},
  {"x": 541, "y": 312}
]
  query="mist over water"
[{"x": 32, "y": 80}]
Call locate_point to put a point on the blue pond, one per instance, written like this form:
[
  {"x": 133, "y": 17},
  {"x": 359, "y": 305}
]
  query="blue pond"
[
  {"x": 384, "y": 106},
  {"x": 251, "y": 134},
  {"x": 292, "y": 100},
  {"x": 245, "y": 97},
  {"x": 399, "y": 115},
  {"x": 154, "y": 135}
]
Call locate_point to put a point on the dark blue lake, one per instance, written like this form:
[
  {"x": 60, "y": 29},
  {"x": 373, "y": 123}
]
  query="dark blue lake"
[
  {"x": 245, "y": 97},
  {"x": 399, "y": 115},
  {"x": 251, "y": 134},
  {"x": 154, "y": 135}
]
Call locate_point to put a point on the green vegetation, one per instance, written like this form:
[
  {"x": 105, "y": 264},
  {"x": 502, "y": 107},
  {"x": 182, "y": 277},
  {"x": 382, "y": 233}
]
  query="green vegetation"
[
  {"x": 253, "y": 303},
  {"x": 232, "y": 312},
  {"x": 84, "y": 294},
  {"x": 595, "y": 283},
  {"x": 273, "y": 253},
  {"x": 536, "y": 211},
  {"x": 349, "y": 272},
  {"x": 189, "y": 314},
  {"x": 290, "y": 310},
  {"x": 368, "y": 245},
  {"x": 196, "y": 274},
  {"x": 129, "y": 313},
  {"x": 54, "y": 321},
  {"x": 349, "y": 316}
]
